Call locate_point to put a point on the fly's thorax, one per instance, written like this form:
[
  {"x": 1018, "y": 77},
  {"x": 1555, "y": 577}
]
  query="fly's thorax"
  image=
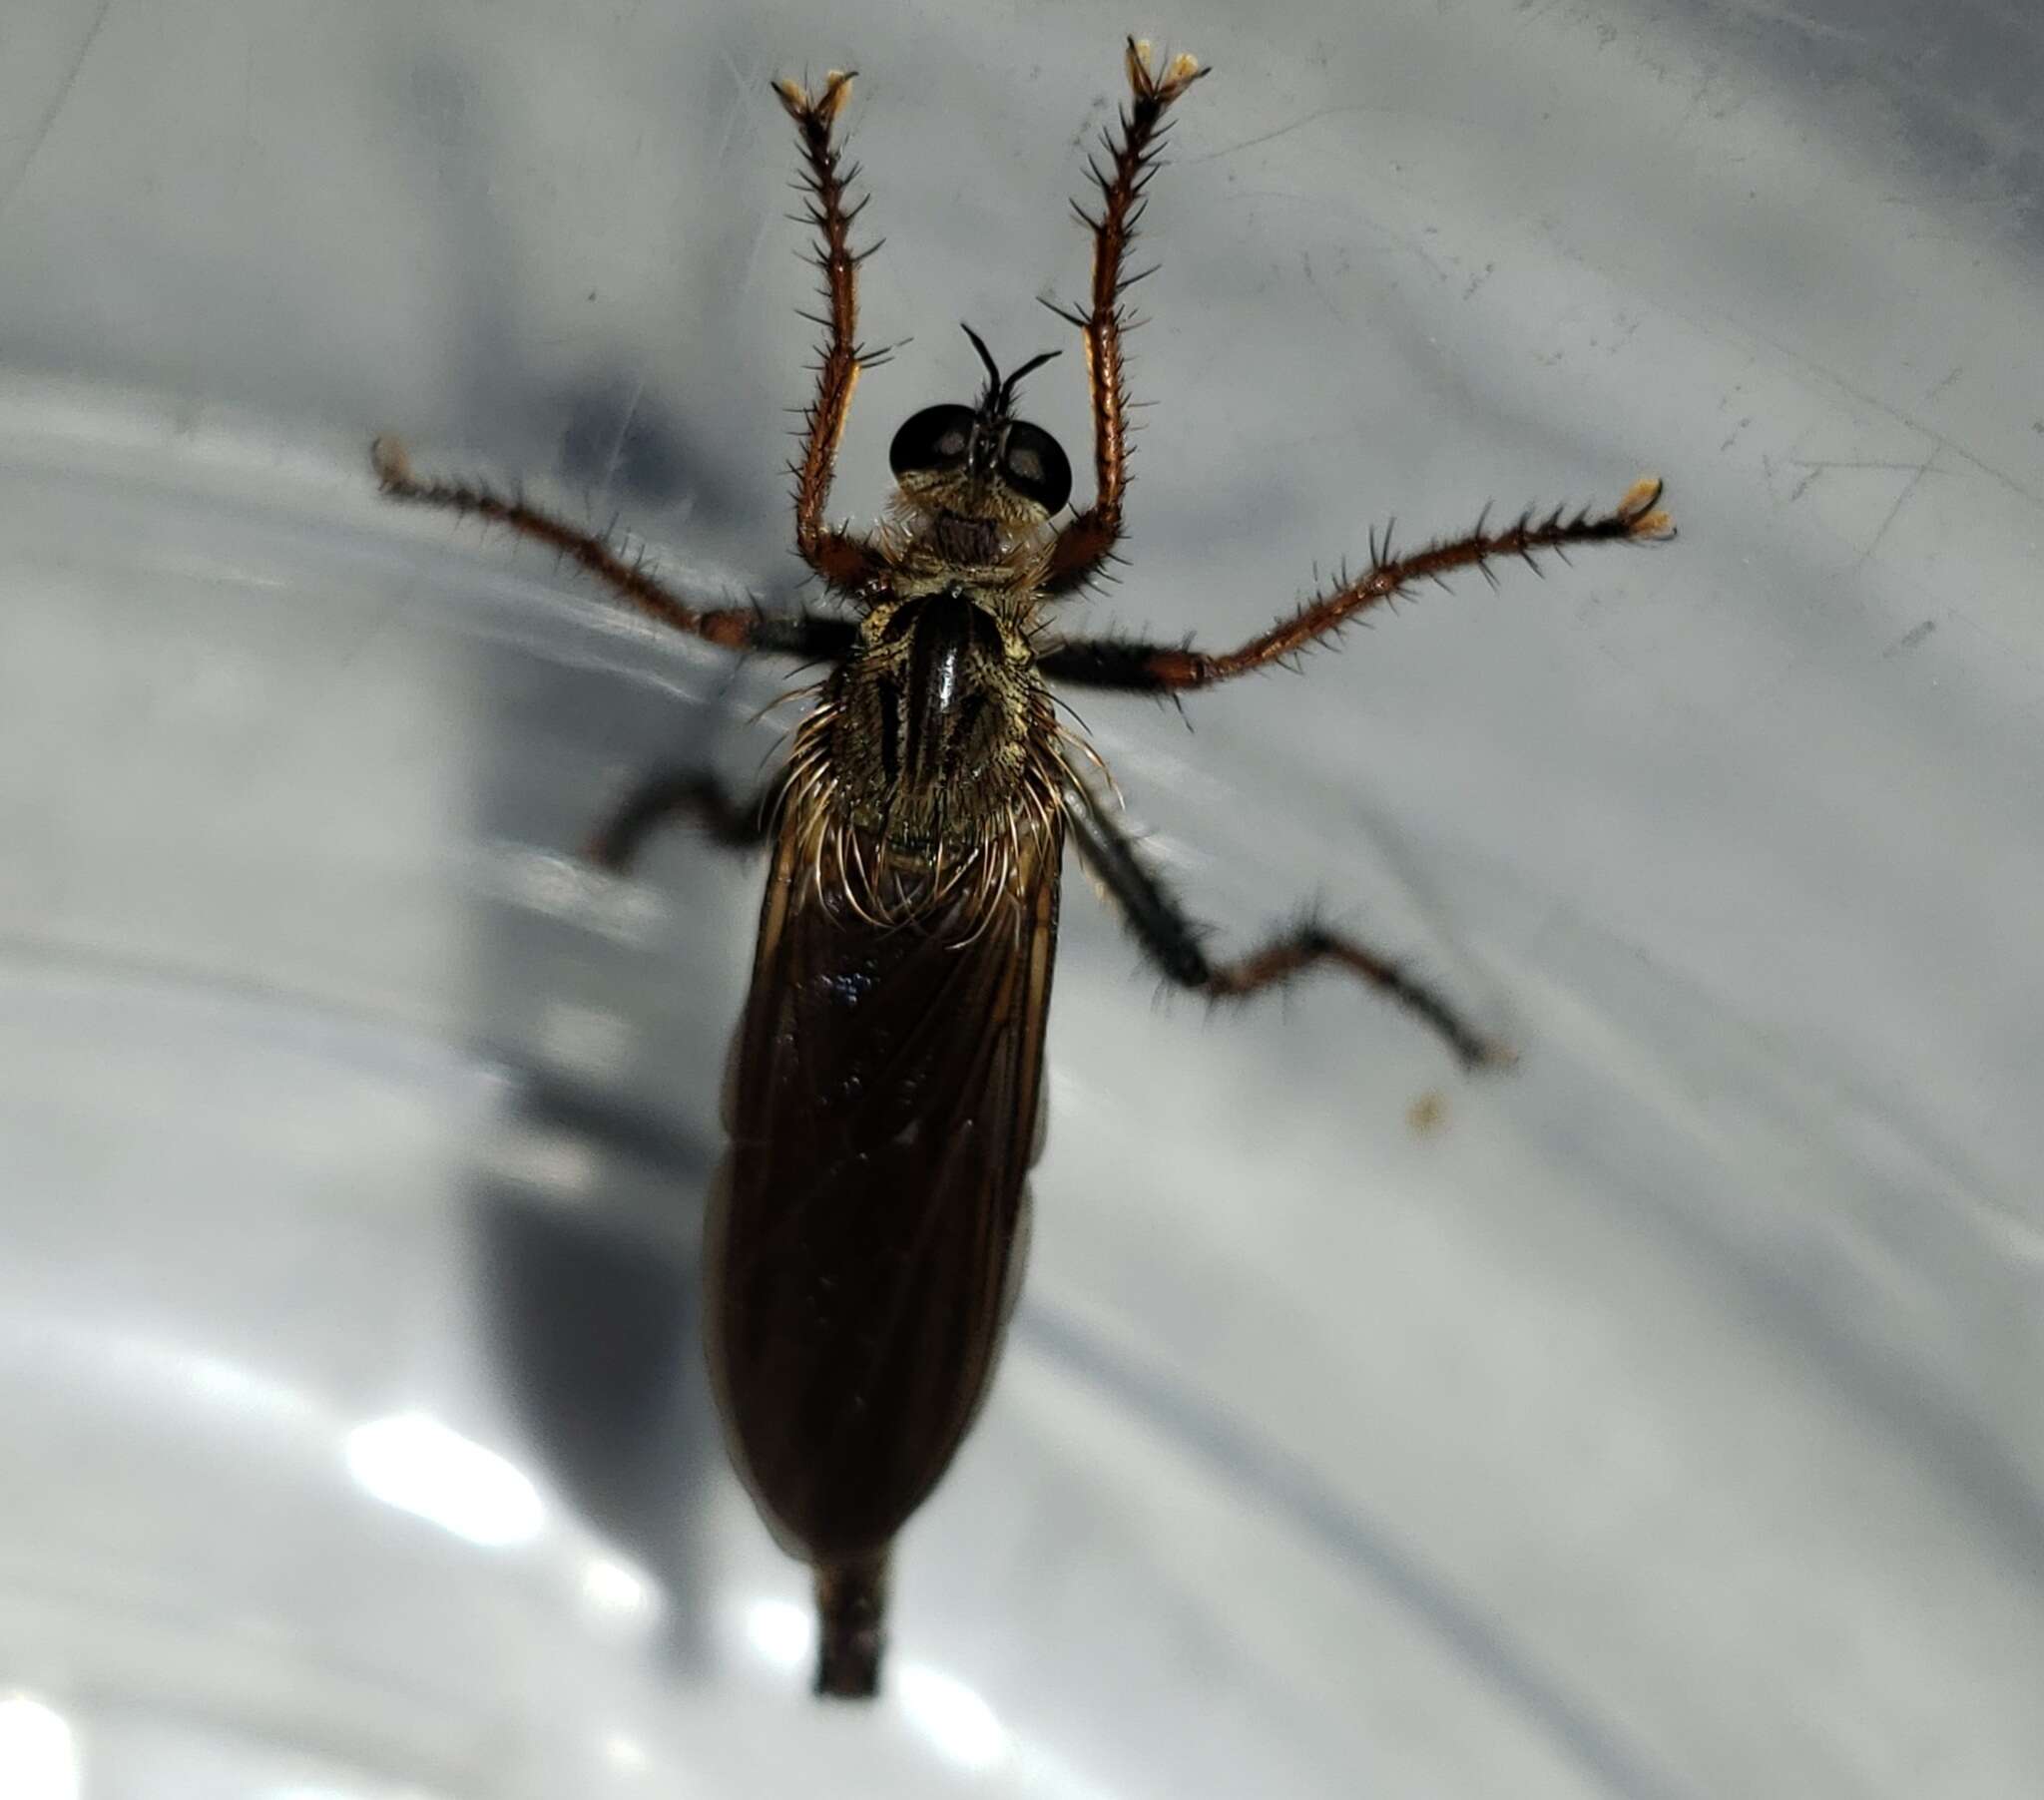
[{"x": 939, "y": 718}]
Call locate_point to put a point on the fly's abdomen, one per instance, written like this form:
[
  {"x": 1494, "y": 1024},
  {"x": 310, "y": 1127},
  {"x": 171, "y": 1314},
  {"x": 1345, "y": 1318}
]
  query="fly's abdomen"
[
  {"x": 848, "y": 1364},
  {"x": 867, "y": 1230}
]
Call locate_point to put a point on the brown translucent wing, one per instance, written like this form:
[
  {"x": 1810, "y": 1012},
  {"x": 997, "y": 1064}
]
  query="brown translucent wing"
[{"x": 865, "y": 1239}]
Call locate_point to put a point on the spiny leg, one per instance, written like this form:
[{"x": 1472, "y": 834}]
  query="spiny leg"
[
  {"x": 844, "y": 562},
  {"x": 1153, "y": 668},
  {"x": 1173, "y": 941},
  {"x": 692, "y": 794},
  {"x": 1086, "y": 542},
  {"x": 810, "y": 636}
]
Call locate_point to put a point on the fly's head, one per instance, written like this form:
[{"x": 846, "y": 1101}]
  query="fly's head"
[{"x": 975, "y": 480}]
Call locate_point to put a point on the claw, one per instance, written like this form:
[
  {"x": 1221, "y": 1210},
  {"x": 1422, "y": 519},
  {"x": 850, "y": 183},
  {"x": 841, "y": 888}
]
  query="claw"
[
  {"x": 823, "y": 107},
  {"x": 392, "y": 461},
  {"x": 1165, "y": 84},
  {"x": 1644, "y": 517}
]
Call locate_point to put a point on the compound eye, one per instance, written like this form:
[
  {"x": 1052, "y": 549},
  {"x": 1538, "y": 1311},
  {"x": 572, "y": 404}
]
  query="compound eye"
[
  {"x": 1033, "y": 464},
  {"x": 935, "y": 439}
]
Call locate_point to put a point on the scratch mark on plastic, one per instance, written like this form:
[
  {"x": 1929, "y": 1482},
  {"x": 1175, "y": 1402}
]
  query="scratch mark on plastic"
[{"x": 56, "y": 106}]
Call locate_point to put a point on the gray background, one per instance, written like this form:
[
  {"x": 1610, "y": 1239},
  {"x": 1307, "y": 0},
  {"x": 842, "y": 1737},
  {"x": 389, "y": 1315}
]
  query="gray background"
[{"x": 1662, "y": 1422}]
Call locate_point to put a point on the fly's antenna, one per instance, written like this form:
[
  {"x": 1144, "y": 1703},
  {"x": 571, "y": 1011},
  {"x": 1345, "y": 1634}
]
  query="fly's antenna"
[{"x": 1000, "y": 393}]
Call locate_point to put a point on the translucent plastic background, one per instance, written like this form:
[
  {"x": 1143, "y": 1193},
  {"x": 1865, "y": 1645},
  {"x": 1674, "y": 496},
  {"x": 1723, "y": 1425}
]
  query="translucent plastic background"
[{"x": 1660, "y": 1421}]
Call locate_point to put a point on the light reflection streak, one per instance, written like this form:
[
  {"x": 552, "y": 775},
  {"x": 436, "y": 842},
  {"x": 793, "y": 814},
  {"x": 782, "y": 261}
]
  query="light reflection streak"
[
  {"x": 616, "y": 1590},
  {"x": 38, "y": 1753},
  {"x": 179, "y": 1372},
  {"x": 414, "y": 1463},
  {"x": 626, "y": 1753},
  {"x": 783, "y": 1633},
  {"x": 959, "y": 1724}
]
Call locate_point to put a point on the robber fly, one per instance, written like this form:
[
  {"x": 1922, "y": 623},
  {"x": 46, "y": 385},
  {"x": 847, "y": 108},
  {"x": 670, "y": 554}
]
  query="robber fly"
[{"x": 867, "y": 1234}]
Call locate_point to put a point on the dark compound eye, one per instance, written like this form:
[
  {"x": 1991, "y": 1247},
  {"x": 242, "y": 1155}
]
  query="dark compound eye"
[
  {"x": 936, "y": 438},
  {"x": 1033, "y": 464}
]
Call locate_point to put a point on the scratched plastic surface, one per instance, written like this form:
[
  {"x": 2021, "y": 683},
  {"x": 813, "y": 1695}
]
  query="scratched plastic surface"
[{"x": 1658, "y": 1422}]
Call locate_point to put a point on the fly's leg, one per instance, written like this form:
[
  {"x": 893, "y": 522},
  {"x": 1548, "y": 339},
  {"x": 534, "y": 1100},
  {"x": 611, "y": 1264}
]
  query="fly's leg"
[
  {"x": 1174, "y": 942},
  {"x": 812, "y": 637},
  {"x": 693, "y": 795},
  {"x": 852, "y": 1610},
  {"x": 1170, "y": 667},
  {"x": 844, "y": 561},
  {"x": 1084, "y": 544}
]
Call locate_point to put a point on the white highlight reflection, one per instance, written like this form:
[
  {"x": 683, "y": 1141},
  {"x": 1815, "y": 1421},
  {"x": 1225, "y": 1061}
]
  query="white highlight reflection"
[
  {"x": 626, "y": 1753},
  {"x": 961, "y": 1726},
  {"x": 416, "y": 1464},
  {"x": 780, "y": 1631},
  {"x": 37, "y": 1756},
  {"x": 616, "y": 1589}
]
